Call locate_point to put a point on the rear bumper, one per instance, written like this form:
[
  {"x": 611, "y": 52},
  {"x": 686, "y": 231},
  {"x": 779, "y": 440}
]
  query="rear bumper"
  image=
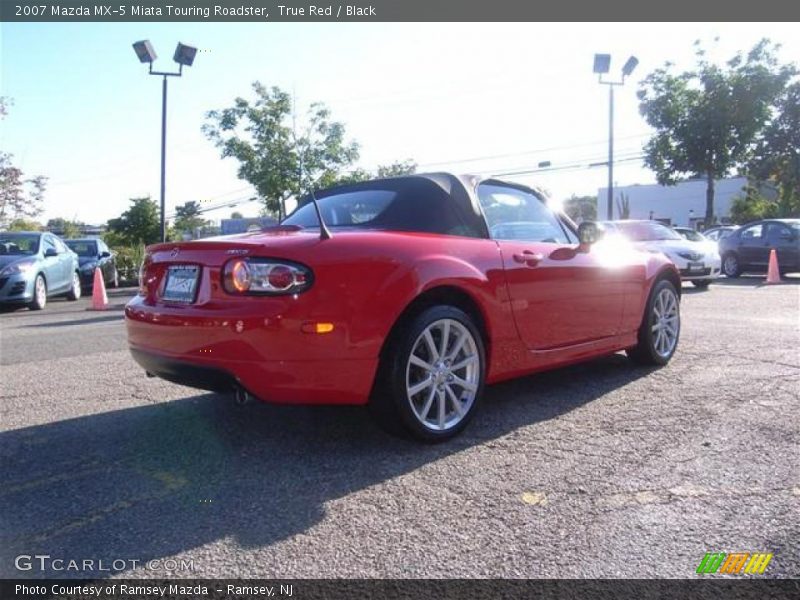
[{"x": 270, "y": 358}]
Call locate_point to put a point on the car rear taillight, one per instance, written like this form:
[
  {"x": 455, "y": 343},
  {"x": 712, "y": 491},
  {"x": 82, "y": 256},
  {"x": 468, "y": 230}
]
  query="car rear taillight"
[
  {"x": 143, "y": 274},
  {"x": 265, "y": 276}
]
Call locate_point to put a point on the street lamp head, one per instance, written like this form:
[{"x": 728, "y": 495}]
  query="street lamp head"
[
  {"x": 602, "y": 62},
  {"x": 629, "y": 66},
  {"x": 184, "y": 55},
  {"x": 144, "y": 50}
]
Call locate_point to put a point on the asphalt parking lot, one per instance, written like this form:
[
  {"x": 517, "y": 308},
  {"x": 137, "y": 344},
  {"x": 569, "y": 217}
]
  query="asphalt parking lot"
[{"x": 598, "y": 470}]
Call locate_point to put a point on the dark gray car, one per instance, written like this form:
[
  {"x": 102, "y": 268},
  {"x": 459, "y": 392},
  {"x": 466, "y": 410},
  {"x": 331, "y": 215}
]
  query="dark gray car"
[{"x": 748, "y": 248}]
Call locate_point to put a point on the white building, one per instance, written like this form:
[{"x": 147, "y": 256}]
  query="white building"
[{"x": 682, "y": 204}]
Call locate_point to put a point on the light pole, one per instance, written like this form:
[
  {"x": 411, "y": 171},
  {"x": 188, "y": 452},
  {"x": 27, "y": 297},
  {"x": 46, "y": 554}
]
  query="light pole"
[
  {"x": 184, "y": 55},
  {"x": 602, "y": 62}
]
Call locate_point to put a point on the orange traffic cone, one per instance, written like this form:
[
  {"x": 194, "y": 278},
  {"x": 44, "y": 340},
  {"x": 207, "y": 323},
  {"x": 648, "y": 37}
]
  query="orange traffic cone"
[
  {"x": 99, "y": 298},
  {"x": 773, "y": 273}
]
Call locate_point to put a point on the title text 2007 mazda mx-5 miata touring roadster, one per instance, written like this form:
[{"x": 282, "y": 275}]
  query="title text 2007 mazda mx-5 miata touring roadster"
[{"x": 414, "y": 293}]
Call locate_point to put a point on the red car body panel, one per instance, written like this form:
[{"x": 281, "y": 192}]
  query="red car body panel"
[{"x": 573, "y": 304}]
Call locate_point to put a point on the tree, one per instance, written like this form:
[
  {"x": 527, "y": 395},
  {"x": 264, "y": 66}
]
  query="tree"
[
  {"x": 21, "y": 224},
  {"x": 67, "y": 229},
  {"x": 140, "y": 224},
  {"x": 776, "y": 158},
  {"x": 395, "y": 169},
  {"x": 19, "y": 197},
  {"x": 581, "y": 208},
  {"x": 237, "y": 215},
  {"x": 708, "y": 118},
  {"x": 278, "y": 157},
  {"x": 187, "y": 217}
]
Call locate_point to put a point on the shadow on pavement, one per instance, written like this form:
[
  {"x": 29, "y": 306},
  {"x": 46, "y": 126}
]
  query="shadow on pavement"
[{"x": 152, "y": 481}]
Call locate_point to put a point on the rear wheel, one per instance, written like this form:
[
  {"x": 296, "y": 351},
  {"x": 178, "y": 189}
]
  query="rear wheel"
[
  {"x": 731, "y": 266},
  {"x": 75, "y": 291},
  {"x": 39, "y": 293},
  {"x": 431, "y": 380},
  {"x": 660, "y": 328}
]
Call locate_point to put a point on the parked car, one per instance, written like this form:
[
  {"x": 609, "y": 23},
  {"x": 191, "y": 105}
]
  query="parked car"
[
  {"x": 698, "y": 261},
  {"x": 35, "y": 266},
  {"x": 94, "y": 254},
  {"x": 717, "y": 233},
  {"x": 409, "y": 305},
  {"x": 748, "y": 249}
]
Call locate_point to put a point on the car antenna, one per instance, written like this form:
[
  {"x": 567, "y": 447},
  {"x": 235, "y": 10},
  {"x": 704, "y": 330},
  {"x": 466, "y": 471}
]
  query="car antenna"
[{"x": 324, "y": 232}]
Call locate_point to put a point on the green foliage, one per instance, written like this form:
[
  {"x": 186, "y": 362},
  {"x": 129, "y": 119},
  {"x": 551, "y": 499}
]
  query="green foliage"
[
  {"x": 395, "y": 169},
  {"x": 68, "y": 229},
  {"x": 755, "y": 205},
  {"x": 129, "y": 259},
  {"x": 278, "y": 156},
  {"x": 708, "y": 118},
  {"x": 776, "y": 158},
  {"x": 21, "y": 224},
  {"x": 140, "y": 224},
  {"x": 237, "y": 215},
  {"x": 188, "y": 219},
  {"x": 581, "y": 208}
]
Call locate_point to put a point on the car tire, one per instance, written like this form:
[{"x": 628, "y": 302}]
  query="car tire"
[
  {"x": 702, "y": 283},
  {"x": 39, "y": 293},
  {"x": 661, "y": 326},
  {"x": 431, "y": 378},
  {"x": 731, "y": 266},
  {"x": 75, "y": 291}
]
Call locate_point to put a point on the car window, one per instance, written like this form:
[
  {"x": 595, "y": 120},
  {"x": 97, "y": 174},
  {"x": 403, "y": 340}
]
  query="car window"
[
  {"x": 83, "y": 248},
  {"x": 713, "y": 235},
  {"x": 645, "y": 231},
  {"x": 778, "y": 233},
  {"x": 514, "y": 214},
  {"x": 752, "y": 233},
  {"x": 60, "y": 246},
  {"x": 49, "y": 244},
  {"x": 24, "y": 244},
  {"x": 691, "y": 235}
]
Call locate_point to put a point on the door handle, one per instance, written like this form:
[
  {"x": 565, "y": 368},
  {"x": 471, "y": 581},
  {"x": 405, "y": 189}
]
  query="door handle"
[{"x": 528, "y": 258}]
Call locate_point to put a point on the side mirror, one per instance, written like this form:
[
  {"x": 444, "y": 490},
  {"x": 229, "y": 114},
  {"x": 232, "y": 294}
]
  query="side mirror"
[
  {"x": 589, "y": 232},
  {"x": 105, "y": 254},
  {"x": 50, "y": 252}
]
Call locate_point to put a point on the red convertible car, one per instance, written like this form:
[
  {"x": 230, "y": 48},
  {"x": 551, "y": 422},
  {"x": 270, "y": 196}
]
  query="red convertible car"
[{"x": 413, "y": 294}]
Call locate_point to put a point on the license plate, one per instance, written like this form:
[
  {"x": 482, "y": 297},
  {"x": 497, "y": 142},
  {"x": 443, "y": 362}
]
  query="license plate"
[
  {"x": 694, "y": 267},
  {"x": 181, "y": 284}
]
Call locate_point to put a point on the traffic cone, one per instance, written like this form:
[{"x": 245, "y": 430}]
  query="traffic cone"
[
  {"x": 773, "y": 273},
  {"x": 99, "y": 298}
]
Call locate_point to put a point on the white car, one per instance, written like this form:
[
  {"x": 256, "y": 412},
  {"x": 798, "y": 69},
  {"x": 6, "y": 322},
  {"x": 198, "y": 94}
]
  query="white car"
[{"x": 696, "y": 258}]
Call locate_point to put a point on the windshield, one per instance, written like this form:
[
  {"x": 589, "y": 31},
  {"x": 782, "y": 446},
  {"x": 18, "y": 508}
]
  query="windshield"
[
  {"x": 22, "y": 244},
  {"x": 646, "y": 231},
  {"x": 691, "y": 235},
  {"x": 83, "y": 248}
]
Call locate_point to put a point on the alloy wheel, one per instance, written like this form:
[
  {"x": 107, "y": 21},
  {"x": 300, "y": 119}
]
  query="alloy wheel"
[
  {"x": 443, "y": 374},
  {"x": 665, "y": 322}
]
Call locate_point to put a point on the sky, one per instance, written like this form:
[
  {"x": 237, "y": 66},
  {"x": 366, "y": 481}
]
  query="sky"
[{"x": 484, "y": 98}]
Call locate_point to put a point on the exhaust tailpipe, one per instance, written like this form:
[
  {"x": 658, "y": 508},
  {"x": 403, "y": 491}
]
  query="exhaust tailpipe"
[{"x": 242, "y": 397}]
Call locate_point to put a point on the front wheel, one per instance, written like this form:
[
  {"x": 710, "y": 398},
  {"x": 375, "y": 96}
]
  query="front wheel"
[
  {"x": 730, "y": 265},
  {"x": 75, "y": 291},
  {"x": 660, "y": 328},
  {"x": 431, "y": 380},
  {"x": 39, "y": 294}
]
